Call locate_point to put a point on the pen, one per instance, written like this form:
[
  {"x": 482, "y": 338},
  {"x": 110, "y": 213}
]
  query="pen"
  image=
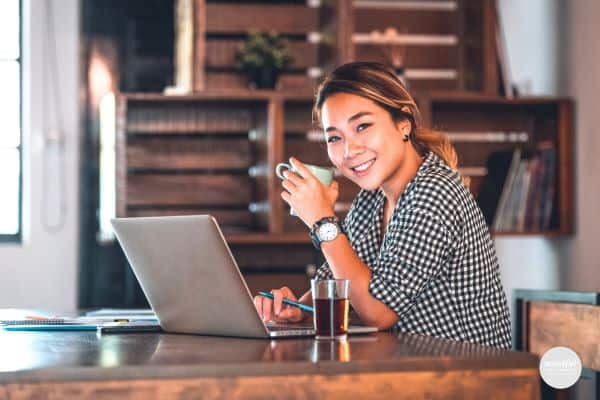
[
  {"x": 37, "y": 318},
  {"x": 301, "y": 306}
]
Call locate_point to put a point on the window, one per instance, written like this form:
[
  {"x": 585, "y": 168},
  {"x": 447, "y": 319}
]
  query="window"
[{"x": 10, "y": 121}]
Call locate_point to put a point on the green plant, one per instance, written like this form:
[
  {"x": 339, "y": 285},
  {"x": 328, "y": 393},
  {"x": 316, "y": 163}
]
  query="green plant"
[{"x": 264, "y": 50}]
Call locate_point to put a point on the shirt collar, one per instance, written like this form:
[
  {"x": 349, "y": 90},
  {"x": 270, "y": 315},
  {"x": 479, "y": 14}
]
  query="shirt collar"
[{"x": 429, "y": 160}]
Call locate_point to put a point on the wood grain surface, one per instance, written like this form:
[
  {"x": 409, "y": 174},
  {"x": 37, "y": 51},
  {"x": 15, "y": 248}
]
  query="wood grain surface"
[
  {"x": 460, "y": 385},
  {"x": 86, "y": 365},
  {"x": 564, "y": 324},
  {"x": 156, "y": 189}
]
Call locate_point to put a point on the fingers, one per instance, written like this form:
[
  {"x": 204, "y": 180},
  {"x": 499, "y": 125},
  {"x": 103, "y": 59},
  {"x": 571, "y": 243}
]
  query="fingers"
[
  {"x": 288, "y": 185},
  {"x": 258, "y": 304},
  {"x": 275, "y": 309},
  {"x": 263, "y": 307},
  {"x": 302, "y": 170},
  {"x": 277, "y": 301},
  {"x": 290, "y": 314},
  {"x": 292, "y": 178},
  {"x": 278, "y": 296},
  {"x": 333, "y": 192},
  {"x": 287, "y": 293}
]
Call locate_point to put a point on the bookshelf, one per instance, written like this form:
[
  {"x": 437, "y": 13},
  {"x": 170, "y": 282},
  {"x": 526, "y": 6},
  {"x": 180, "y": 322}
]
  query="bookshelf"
[
  {"x": 214, "y": 149},
  {"x": 438, "y": 45},
  {"x": 481, "y": 125},
  {"x": 212, "y": 31},
  {"x": 223, "y": 165}
]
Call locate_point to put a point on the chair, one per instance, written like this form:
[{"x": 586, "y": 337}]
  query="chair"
[{"x": 545, "y": 319}]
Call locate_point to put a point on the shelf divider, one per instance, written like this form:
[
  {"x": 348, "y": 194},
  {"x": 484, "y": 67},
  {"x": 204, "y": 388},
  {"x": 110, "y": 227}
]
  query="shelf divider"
[{"x": 275, "y": 154}]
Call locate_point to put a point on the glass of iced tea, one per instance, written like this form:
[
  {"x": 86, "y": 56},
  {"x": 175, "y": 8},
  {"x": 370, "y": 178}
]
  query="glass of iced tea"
[{"x": 331, "y": 306}]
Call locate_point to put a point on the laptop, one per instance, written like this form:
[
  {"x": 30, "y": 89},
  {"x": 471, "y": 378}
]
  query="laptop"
[{"x": 192, "y": 281}]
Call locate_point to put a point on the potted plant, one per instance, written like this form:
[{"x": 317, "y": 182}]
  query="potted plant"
[{"x": 262, "y": 57}]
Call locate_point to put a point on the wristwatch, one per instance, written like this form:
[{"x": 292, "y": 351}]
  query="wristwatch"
[{"x": 324, "y": 230}]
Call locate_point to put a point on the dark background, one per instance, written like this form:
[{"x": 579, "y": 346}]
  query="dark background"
[{"x": 141, "y": 32}]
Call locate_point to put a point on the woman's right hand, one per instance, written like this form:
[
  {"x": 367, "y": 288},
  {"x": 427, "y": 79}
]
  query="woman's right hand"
[{"x": 276, "y": 310}]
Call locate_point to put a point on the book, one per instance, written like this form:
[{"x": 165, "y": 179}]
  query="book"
[
  {"x": 547, "y": 186},
  {"x": 502, "y": 210},
  {"x": 533, "y": 195},
  {"x": 121, "y": 312},
  {"x": 49, "y": 321},
  {"x": 130, "y": 327},
  {"x": 521, "y": 204},
  {"x": 515, "y": 196},
  {"x": 488, "y": 197}
]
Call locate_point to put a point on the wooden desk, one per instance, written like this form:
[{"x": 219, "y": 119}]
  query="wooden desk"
[{"x": 84, "y": 365}]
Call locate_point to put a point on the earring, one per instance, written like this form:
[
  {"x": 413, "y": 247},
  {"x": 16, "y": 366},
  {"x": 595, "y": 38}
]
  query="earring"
[{"x": 405, "y": 138}]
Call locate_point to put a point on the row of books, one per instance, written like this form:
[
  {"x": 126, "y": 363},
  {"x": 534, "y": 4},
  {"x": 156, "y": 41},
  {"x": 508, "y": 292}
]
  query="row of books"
[
  {"x": 189, "y": 118},
  {"x": 527, "y": 180}
]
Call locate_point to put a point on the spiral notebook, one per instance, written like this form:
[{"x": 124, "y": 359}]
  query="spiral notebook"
[{"x": 50, "y": 321}]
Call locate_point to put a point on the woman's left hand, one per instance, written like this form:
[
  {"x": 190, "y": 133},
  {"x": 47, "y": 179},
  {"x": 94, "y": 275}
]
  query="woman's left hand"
[{"x": 308, "y": 196}]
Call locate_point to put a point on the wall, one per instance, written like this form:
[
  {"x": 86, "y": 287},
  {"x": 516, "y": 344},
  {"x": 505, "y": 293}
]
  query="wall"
[
  {"x": 582, "y": 81},
  {"x": 532, "y": 30},
  {"x": 552, "y": 50},
  {"x": 42, "y": 271},
  {"x": 580, "y": 59}
]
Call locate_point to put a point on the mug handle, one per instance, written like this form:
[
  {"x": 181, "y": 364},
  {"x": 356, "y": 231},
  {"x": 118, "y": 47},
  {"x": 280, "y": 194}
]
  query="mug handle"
[{"x": 279, "y": 167}]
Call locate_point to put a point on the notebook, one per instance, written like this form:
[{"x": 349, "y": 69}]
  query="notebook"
[
  {"x": 146, "y": 322},
  {"x": 192, "y": 281}
]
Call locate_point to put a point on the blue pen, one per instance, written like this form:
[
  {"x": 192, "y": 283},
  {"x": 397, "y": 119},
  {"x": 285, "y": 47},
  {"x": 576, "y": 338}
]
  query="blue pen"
[{"x": 301, "y": 306}]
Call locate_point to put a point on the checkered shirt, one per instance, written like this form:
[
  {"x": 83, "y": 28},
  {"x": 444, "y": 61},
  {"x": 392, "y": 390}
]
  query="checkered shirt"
[{"x": 436, "y": 266}]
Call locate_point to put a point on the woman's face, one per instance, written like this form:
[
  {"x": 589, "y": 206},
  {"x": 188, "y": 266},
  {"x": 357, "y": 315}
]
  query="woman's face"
[{"x": 363, "y": 141}]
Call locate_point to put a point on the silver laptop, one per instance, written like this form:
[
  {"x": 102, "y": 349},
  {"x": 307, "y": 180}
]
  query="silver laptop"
[{"x": 192, "y": 281}]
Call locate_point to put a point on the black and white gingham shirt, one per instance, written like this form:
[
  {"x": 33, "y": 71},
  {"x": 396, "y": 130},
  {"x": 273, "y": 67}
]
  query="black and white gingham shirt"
[{"x": 436, "y": 266}]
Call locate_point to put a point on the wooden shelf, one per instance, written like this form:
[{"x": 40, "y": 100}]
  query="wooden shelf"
[
  {"x": 466, "y": 103},
  {"x": 225, "y": 94},
  {"x": 482, "y": 98},
  {"x": 464, "y": 96},
  {"x": 263, "y": 94},
  {"x": 541, "y": 118}
]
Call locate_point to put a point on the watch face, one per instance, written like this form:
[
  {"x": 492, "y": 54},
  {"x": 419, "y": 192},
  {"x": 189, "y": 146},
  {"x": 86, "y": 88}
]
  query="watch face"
[{"x": 327, "y": 231}]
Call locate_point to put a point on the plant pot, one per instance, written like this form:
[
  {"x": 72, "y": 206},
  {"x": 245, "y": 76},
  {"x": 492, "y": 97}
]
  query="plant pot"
[{"x": 264, "y": 78}]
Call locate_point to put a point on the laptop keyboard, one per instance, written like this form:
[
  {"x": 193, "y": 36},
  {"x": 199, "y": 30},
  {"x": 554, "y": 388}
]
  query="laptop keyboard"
[{"x": 281, "y": 327}]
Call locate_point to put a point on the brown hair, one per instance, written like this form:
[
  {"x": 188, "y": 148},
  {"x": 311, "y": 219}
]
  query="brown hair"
[{"x": 377, "y": 82}]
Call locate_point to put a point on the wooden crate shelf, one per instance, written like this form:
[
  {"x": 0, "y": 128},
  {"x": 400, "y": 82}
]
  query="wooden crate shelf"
[
  {"x": 214, "y": 150},
  {"x": 210, "y": 33},
  {"x": 180, "y": 173},
  {"x": 184, "y": 153},
  {"x": 526, "y": 124},
  {"x": 241, "y": 18}
]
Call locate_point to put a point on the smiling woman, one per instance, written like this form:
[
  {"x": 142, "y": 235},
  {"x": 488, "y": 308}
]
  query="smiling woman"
[
  {"x": 10, "y": 112},
  {"x": 414, "y": 244}
]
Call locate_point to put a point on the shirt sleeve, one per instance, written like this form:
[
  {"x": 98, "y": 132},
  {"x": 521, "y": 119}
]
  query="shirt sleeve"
[
  {"x": 414, "y": 253},
  {"x": 324, "y": 272}
]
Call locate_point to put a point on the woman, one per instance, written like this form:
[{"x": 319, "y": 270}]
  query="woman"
[{"x": 414, "y": 243}]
